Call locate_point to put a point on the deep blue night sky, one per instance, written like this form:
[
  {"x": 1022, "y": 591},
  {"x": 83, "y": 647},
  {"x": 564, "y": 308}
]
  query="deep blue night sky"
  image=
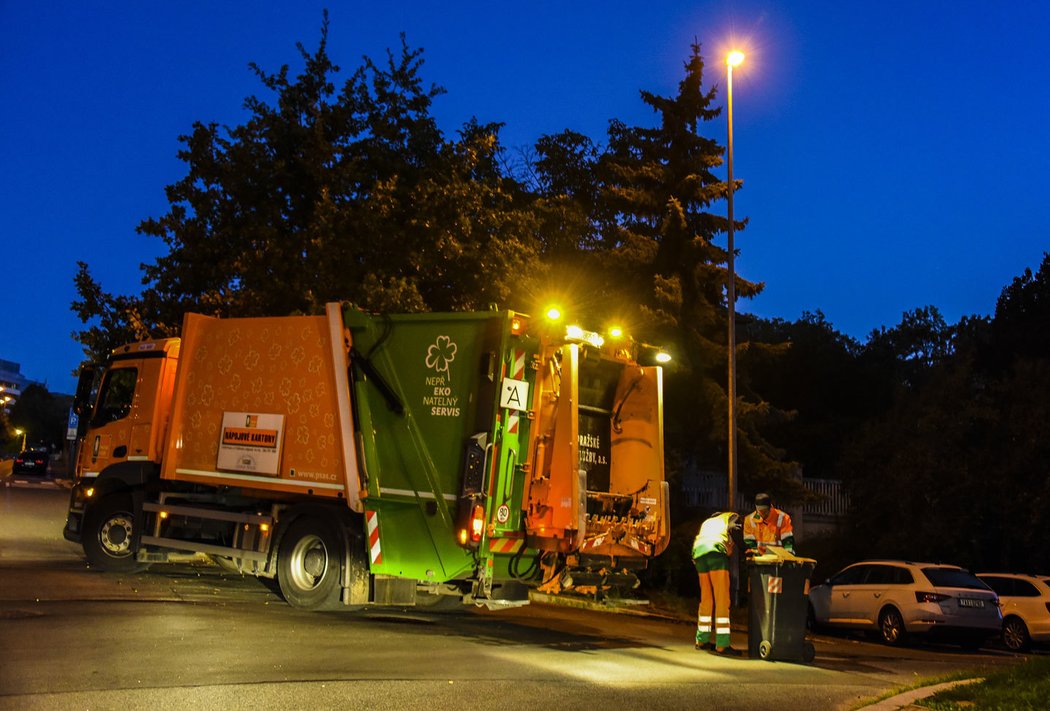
[{"x": 894, "y": 154}]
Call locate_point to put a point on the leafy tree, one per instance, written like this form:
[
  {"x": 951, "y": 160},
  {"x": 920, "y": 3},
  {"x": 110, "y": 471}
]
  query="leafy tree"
[
  {"x": 1021, "y": 326},
  {"x": 820, "y": 379},
  {"x": 325, "y": 194},
  {"x": 913, "y": 347},
  {"x": 956, "y": 469},
  {"x": 41, "y": 415}
]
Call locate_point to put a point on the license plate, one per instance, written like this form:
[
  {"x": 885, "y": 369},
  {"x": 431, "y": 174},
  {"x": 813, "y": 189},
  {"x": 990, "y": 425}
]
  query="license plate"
[{"x": 970, "y": 602}]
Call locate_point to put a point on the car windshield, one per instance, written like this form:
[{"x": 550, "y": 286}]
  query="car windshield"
[{"x": 953, "y": 578}]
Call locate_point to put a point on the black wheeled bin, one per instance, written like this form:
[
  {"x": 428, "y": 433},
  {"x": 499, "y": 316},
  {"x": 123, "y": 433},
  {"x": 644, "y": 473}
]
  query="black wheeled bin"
[{"x": 779, "y": 603}]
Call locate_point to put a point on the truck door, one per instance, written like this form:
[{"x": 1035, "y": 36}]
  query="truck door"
[
  {"x": 110, "y": 428},
  {"x": 555, "y": 518}
]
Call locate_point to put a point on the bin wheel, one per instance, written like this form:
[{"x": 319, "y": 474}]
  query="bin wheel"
[
  {"x": 765, "y": 649},
  {"x": 809, "y": 652}
]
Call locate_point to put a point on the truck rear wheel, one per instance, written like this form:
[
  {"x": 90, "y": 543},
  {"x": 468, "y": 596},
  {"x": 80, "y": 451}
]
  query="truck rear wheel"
[
  {"x": 109, "y": 535},
  {"x": 308, "y": 565}
]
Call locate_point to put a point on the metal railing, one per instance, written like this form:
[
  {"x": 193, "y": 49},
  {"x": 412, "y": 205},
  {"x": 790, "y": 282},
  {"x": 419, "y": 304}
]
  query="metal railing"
[{"x": 708, "y": 490}]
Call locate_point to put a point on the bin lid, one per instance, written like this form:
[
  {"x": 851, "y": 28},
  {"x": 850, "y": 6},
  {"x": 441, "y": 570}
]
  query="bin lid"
[{"x": 779, "y": 554}]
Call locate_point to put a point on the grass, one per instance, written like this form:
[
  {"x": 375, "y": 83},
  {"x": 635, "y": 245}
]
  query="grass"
[
  {"x": 919, "y": 684},
  {"x": 1025, "y": 686}
]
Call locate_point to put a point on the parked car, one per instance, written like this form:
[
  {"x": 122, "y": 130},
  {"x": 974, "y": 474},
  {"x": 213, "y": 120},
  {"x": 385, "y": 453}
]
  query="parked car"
[
  {"x": 899, "y": 599},
  {"x": 32, "y": 461},
  {"x": 1025, "y": 604}
]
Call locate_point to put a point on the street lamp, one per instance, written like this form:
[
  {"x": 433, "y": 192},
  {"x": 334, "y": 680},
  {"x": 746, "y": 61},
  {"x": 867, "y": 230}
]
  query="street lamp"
[{"x": 733, "y": 59}]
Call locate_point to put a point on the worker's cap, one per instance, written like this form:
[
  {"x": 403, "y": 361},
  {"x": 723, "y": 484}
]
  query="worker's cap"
[{"x": 762, "y": 501}]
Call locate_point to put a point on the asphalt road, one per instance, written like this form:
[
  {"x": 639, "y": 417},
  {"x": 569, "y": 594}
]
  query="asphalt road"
[{"x": 191, "y": 635}]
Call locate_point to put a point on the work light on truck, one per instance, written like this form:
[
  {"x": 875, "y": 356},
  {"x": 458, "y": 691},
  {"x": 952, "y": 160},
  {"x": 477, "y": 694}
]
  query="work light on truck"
[
  {"x": 578, "y": 335},
  {"x": 477, "y": 523}
]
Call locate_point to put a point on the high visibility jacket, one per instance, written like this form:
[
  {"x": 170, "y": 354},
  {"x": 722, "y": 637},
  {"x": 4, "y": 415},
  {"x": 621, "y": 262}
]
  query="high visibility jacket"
[
  {"x": 714, "y": 536},
  {"x": 776, "y": 529}
]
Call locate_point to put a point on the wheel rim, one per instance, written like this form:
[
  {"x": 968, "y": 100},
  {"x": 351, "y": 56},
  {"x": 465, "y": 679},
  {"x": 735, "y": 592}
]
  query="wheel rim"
[
  {"x": 1014, "y": 634},
  {"x": 308, "y": 562},
  {"x": 891, "y": 627},
  {"x": 115, "y": 535}
]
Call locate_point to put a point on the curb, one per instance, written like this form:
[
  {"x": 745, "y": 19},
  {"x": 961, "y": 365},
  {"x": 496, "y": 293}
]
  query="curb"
[
  {"x": 635, "y": 608},
  {"x": 908, "y": 697}
]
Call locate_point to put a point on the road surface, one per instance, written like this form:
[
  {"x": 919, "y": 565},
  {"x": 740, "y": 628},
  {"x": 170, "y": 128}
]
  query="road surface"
[{"x": 191, "y": 635}]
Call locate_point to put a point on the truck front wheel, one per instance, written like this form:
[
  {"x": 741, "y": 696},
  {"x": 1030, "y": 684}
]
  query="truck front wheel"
[
  {"x": 109, "y": 535},
  {"x": 308, "y": 564}
]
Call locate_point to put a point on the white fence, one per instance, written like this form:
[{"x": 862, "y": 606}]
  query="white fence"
[{"x": 708, "y": 490}]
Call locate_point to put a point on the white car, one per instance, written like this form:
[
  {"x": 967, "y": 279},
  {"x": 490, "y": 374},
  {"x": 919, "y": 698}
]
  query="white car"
[
  {"x": 1025, "y": 602},
  {"x": 898, "y": 599}
]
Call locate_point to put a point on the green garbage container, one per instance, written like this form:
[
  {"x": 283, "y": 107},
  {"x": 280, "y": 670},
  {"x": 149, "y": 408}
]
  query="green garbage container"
[{"x": 779, "y": 601}]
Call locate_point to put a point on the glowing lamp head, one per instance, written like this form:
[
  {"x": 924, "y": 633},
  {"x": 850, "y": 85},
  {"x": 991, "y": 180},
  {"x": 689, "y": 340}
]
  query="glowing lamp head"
[
  {"x": 735, "y": 58},
  {"x": 615, "y": 332},
  {"x": 663, "y": 357},
  {"x": 553, "y": 313}
]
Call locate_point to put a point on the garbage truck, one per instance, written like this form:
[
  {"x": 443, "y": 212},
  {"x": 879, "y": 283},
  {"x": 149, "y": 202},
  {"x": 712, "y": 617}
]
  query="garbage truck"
[{"x": 377, "y": 459}]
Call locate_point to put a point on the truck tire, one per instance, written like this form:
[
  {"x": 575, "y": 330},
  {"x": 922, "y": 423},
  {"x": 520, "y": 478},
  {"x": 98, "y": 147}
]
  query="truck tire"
[
  {"x": 308, "y": 565},
  {"x": 109, "y": 534}
]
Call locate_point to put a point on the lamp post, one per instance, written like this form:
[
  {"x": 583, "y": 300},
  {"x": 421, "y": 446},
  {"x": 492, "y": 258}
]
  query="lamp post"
[
  {"x": 733, "y": 59},
  {"x": 22, "y": 433}
]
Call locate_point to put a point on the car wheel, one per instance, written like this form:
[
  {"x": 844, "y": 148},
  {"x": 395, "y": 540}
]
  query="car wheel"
[
  {"x": 891, "y": 627},
  {"x": 308, "y": 565},
  {"x": 1015, "y": 634},
  {"x": 109, "y": 535}
]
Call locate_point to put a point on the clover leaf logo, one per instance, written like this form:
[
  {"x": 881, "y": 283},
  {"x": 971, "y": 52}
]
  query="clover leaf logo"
[{"x": 441, "y": 354}]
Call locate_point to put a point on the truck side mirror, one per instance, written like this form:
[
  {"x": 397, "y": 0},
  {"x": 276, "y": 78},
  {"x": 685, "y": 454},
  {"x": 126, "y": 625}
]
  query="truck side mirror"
[{"x": 85, "y": 383}]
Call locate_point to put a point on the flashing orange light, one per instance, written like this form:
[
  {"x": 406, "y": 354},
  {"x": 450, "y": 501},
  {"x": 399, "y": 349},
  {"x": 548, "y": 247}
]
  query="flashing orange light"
[
  {"x": 517, "y": 326},
  {"x": 88, "y": 493},
  {"x": 264, "y": 527},
  {"x": 477, "y": 523},
  {"x": 462, "y": 536}
]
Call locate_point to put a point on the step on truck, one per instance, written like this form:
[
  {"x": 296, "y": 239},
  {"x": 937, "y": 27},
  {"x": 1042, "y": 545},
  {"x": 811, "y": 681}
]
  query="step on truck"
[{"x": 370, "y": 459}]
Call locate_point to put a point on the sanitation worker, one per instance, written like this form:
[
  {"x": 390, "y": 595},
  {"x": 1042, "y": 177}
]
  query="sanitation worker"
[
  {"x": 711, "y": 551},
  {"x": 768, "y": 525}
]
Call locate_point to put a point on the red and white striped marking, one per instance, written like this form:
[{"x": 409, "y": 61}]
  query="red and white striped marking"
[
  {"x": 506, "y": 545},
  {"x": 776, "y": 585},
  {"x": 374, "y": 549},
  {"x": 519, "y": 365},
  {"x": 518, "y": 373}
]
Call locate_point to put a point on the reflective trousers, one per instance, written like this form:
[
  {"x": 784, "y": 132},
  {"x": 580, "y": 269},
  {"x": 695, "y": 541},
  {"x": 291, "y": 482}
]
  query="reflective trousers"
[{"x": 713, "y": 615}]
